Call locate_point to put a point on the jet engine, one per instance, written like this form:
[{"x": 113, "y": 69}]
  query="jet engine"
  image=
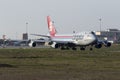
[
  {"x": 107, "y": 44},
  {"x": 32, "y": 43},
  {"x": 54, "y": 45}
]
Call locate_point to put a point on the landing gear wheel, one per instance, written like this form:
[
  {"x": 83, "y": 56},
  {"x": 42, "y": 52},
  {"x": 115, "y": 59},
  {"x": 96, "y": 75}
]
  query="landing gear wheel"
[
  {"x": 91, "y": 49},
  {"x": 82, "y": 48},
  {"x": 74, "y": 48}
]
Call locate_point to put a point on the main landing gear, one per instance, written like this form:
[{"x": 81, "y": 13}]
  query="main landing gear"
[
  {"x": 74, "y": 48},
  {"x": 65, "y": 48},
  {"x": 82, "y": 48},
  {"x": 91, "y": 49}
]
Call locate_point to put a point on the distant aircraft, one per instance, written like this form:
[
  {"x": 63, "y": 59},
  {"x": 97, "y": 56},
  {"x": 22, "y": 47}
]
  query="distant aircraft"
[
  {"x": 72, "y": 41},
  {"x": 12, "y": 42}
]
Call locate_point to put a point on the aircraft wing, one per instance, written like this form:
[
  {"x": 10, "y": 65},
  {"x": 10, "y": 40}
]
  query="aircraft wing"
[{"x": 41, "y": 35}]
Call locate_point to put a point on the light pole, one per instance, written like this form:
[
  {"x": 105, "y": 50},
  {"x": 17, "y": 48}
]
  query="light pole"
[
  {"x": 100, "y": 23},
  {"x": 26, "y": 35},
  {"x": 26, "y": 27}
]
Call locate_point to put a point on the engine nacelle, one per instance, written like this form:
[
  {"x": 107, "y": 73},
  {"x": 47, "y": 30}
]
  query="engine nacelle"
[
  {"x": 107, "y": 44},
  {"x": 54, "y": 45},
  {"x": 32, "y": 44},
  {"x": 98, "y": 45}
]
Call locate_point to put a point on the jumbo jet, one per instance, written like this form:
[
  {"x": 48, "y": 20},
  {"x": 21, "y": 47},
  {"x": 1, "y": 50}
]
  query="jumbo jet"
[{"x": 72, "y": 41}]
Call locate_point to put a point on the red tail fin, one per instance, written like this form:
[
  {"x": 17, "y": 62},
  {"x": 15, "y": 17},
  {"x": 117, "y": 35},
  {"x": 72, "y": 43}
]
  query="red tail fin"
[{"x": 51, "y": 27}]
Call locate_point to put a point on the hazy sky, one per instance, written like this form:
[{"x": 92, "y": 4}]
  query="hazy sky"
[{"x": 68, "y": 15}]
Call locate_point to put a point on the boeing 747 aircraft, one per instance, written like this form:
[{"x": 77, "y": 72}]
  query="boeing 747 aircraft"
[{"x": 72, "y": 41}]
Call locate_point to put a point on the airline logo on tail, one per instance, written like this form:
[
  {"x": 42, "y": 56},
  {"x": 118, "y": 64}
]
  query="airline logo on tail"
[{"x": 51, "y": 27}]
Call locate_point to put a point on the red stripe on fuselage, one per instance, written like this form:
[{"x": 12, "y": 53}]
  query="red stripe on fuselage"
[{"x": 62, "y": 36}]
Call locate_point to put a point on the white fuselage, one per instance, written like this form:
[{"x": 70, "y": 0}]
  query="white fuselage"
[{"x": 83, "y": 38}]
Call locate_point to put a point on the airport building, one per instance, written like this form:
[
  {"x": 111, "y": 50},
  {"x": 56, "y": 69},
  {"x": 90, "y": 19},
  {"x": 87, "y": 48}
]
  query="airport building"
[
  {"x": 25, "y": 36},
  {"x": 112, "y": 35}
]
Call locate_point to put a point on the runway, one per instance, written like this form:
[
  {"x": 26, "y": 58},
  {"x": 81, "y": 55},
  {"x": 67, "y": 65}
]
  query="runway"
[{"x": 22, "y": 47}]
